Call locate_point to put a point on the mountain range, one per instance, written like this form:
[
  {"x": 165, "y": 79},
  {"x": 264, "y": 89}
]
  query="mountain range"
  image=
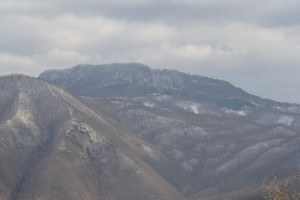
[{"x": 126, "y": 131}]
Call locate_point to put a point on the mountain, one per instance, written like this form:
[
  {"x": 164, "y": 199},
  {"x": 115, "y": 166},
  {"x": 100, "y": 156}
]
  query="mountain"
[
  {"x": 53, "y": 146},
  {"x": 134, "y": 79},
  {"x": 219, "y": 140},
  {"x": 137, "y": 80}
]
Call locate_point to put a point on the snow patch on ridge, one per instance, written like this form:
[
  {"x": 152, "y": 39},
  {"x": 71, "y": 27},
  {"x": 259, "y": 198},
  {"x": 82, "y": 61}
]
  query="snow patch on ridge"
[
  {"x": 149, "y": 152},
  {"x": 235, "y": 112},
  {"x": 149, "y": 104},
  {"x": 23, "y": 117},
  {"x": 195, "y": 109},
  {"x": 189, "y": 106},
  {"x": 287, "y": 120},
  {"x": 190, "y": 165}
]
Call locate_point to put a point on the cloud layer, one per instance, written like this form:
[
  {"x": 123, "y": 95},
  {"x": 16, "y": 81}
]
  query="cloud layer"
[{"x": 253, "y": 44}]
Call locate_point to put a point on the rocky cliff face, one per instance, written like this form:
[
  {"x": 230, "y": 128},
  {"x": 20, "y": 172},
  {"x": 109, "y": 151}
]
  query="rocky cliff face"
[
  {"x": 52, "y": 146},
  {"x": 135, "y": 79},
  {"x": 217, "y": 137}
]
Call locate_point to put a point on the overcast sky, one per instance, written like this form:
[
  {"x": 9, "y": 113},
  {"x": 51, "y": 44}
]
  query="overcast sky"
[{"x": 254, "y": 44}]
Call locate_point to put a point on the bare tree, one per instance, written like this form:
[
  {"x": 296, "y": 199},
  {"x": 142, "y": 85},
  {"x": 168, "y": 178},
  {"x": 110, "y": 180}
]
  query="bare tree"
[{"x": 276, "y": 189}]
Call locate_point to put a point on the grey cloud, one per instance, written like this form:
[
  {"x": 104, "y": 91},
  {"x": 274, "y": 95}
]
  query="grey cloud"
[
  {"x": 253, "y": 44},
  {"x": 277, "y": 12}
]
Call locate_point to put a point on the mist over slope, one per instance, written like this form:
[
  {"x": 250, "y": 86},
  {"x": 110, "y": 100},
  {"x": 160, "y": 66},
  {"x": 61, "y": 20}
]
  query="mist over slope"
[{"x": 222, "y": 139}]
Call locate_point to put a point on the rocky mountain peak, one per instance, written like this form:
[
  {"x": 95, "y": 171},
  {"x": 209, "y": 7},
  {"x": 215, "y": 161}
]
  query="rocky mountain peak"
[{"x": 137, "y": 79}]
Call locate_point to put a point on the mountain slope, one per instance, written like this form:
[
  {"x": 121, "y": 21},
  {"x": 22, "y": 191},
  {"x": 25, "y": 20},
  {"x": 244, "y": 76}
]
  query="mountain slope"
[
  {"x": 52, "y": 146},
  {"x": 220, "y": 138}
]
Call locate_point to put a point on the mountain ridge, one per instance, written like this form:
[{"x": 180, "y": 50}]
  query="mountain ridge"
[
  {"x": 135, "y": 75},
  {"x": 52, "y": 146}
]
